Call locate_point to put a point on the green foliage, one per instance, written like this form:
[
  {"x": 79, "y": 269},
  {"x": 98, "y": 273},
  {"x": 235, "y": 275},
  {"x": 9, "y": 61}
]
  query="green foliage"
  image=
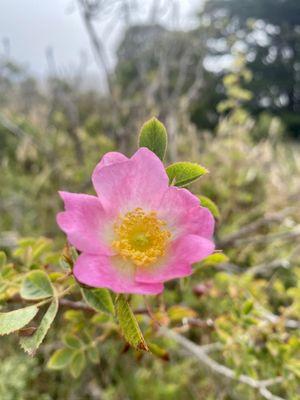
[
  {"x": 129, "y": 325},
  {"x": 93, "y": 355},
  {"x": 73, "y": 342},
  {"x": 208, "y": 203},
  {"x": 252, "y": 316},
  {"x": 31, "y": 344},
  {"x": 158, "y": 351},
  {"x": 183, "y": 173},
  {"x": 14, "y": 320},
  {"x": 99, "y": 299},
  {"x": 61, "y": 358},
  {"x": 36, "y": 286},
  {"x": 272, "y": 63},
  {"x": 77, "y": 364},
  {"x": 73, "y": 356},
  {"x": 215, "y": 259},
  {"x": 17, "y": 374},
  {"x": 2, "y": 259},
  {"x": 219, "y": 303},
  {"x": 178, "y": 313},
  {"x": 247, "y": 307},
  {"x": 153, "y": 135}
]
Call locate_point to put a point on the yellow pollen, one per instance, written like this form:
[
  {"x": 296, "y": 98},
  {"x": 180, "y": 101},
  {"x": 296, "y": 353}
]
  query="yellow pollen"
[{"x": 141, "y": 237}]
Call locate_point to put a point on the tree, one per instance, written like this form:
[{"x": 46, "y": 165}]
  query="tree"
[{"x": 268, "y": 32}]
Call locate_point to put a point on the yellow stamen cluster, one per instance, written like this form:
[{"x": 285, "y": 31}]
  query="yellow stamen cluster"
[{"x": 141, "y": 237}]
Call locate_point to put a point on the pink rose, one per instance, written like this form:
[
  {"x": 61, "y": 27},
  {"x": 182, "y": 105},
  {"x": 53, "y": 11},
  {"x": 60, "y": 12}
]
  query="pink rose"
[{"x": 138, "y": 232}]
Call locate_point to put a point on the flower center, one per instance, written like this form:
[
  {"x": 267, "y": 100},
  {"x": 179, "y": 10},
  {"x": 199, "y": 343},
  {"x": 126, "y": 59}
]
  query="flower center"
[{"x": 141, "y": 237}]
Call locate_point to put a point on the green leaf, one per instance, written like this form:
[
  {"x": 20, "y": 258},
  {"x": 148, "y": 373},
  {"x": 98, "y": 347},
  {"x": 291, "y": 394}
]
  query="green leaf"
[
  {"x": 99, "y": 300},
  {"x": 31, "y": 343},
  {"x": 208, "y": 203},
  {"x": 183, "y": 173},
  {"x": 25, "y": 242},
  {"x": 61, "y": 358},
  {"x": 2, "y": 259},
  {"x": 159, "y": 351},
  {"x": 74, "y": 253},
  {"x": 129, "y": 325},
  {"x": 293, "y": 365},
  {"x": 178, "y": 313},
  {"x": 36, "y": 285},
  {"x": 93, "y": 355},
  {"x": 77, "y": 364},
  {"x": 40, "y": 249},
  {"x": 73, "y": 342},
  {"x": 153, "y": 135},
  {"x": 247, "y": 306},
  {"x": 215, "y": 259},
  {"x": 64, "y": 265},
  {"x": 14, "y": 320}
]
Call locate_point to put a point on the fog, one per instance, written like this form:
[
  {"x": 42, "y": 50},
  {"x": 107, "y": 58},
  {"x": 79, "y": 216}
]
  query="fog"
[{"x": 57, "y": 25}]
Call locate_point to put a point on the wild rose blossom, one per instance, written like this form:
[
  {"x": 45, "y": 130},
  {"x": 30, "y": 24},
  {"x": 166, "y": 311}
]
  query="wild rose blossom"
[{"x": 138, "y": 232}]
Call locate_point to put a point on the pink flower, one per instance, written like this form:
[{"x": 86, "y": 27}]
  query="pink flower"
[{"x": 139, "y": 232}]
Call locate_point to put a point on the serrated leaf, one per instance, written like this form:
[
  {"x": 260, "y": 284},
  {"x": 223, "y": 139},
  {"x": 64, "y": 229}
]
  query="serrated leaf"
[
  {"x": 30, "y": 344},
  {"x": 129, "y": 326},
  {"x": 153, "y": 135},
  {"x": 61, "y": 358},
  {"x": 2, "y": 259},
  {"x": 208, "y": 203},
  {"x": 77, "y": 364},
  {"x": 99, "y": 299},
  {"x": 36, "y": 285},
  {"x": 183, "y": 173},
  {"x": 93, "y": 354},
  {"x": 73, "y": 342},
  {"x": 17, "y": 319}
]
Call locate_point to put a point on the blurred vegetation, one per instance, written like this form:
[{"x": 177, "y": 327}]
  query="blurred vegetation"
[
  {"x": 268, "y": 32},
  {"x": 241, "y": 124}
]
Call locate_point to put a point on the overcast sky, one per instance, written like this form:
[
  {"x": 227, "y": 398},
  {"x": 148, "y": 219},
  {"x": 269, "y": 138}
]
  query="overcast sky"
[{"x": 34, "y": 25}]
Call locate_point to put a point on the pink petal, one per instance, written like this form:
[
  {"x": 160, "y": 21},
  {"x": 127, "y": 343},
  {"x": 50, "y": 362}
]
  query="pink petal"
[
  {"x": 110, "y": 158},
  {"x": 138, "y": 182},
  {"x": 207, "y": 225},
  {"x": 184, "y": 215},
  {"x": 183, "y": 253},
  {"x": 83, "y": 222},
  {"x": 150, "y": 178},
  {"x": 111, "y": 273}
]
